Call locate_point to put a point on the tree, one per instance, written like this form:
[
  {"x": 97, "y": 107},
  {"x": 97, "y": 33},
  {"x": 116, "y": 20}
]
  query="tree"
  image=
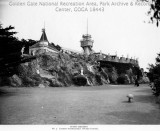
[
  {"x": 154, "y": 70},
  {"x": 10, "y": 45},
  {"x": 154, "y": 11},
  {"x": 8, "y": 42},
  {"x": 154, "y": 74},
  {"x": 27, "y": 44},
  {"x": 10, "y": 50}
]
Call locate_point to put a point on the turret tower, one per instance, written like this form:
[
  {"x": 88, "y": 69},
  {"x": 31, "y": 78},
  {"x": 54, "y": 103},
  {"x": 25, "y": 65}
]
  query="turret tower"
[{"x": 87, "y": 43}]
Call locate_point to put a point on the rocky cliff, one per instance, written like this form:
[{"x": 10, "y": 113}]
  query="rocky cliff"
[{"x": 63, "y": 71}]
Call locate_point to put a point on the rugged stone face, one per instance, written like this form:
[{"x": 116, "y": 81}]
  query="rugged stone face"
[{"x": 63, "y": 71}]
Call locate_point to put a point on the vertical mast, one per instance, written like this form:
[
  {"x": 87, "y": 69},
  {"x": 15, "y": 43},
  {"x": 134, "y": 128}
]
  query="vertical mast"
[
  {"x": 43, "y": 30},
  {"x": 87, "y": 26}
]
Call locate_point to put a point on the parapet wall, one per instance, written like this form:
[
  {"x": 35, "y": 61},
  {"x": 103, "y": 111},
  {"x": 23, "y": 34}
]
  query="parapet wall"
[{"x": 106, "y": 57}]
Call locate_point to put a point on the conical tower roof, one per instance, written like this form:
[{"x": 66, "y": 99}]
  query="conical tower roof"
[{"x": 43, "y": 36}]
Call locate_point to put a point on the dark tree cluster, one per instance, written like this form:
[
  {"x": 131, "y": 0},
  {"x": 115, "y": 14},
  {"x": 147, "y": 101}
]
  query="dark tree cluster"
[
  {"x": 8, "y": 41},
  {"x": 154, "y": 75},
  {"x": 154, "y": 11},
  {"x": 10, "y": 50}
]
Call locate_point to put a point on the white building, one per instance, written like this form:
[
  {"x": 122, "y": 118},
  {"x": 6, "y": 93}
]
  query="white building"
[
  {"x": 42, "y": 46},
  {"x": 87, "y": 44}
]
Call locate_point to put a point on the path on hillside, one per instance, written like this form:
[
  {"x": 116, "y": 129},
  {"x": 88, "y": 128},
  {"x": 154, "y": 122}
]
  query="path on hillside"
[{"x": 78, "y": 105}]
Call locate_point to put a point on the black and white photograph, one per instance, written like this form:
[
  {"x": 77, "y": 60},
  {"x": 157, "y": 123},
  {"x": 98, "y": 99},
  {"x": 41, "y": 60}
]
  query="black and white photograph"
[{"x": 79, "y": 65}]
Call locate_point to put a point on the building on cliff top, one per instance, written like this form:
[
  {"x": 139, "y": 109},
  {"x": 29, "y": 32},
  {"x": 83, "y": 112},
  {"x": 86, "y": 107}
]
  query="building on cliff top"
[
  {"x": 87, "y": 43},
  {"x": 43, "y": 46}
]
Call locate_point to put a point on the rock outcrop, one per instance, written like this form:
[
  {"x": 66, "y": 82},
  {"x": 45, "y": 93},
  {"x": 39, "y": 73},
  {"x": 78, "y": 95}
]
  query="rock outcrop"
[{"x": 63, "y": 71}]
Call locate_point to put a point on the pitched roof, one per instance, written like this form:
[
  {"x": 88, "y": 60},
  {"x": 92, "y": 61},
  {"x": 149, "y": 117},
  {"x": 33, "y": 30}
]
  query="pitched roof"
[{"x": 44, "y": 36}]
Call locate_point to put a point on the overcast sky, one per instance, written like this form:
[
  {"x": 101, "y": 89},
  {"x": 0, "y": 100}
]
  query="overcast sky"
[{"x": 121, "y": 29}]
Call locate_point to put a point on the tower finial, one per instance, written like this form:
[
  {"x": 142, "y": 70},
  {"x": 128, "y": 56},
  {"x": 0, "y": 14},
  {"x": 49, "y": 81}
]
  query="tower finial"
[
  {"x": 43, "y": 30},
  {"x": 116, "y": 53},
  {"x": 87, "y": 25}
]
